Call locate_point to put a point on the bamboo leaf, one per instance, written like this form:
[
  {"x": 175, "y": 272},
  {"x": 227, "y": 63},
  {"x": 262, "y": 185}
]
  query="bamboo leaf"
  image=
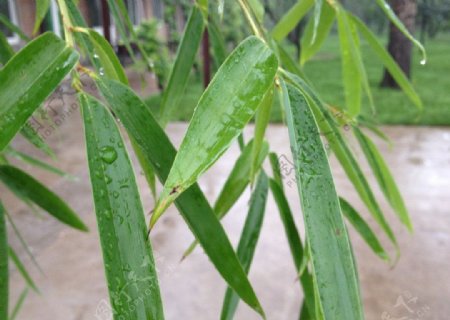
[
  {"x": 179, "y": 75},
  {"x": 217, "y": 43},
  {"x": 342, "y": 151},
  {"x": 13, "y": 28},
  {"x": 22, "y": 270},
  {"x": 6, "y": 51},
  {"x": 363, "y": 229},
  {"x": 29, "y": 78},
  {"x": 248, "y": 240},
  {"x": 35, "y": 139},
  {"x": 388, "y": 62},
  {"x": 318, "y": 4},
  {"x": 19, "y": 304},
  {"x": 331, "y": 255},
  {"x": 25, "y": 186},
  {"x": 397, "y": 22},
  {"x": 4, "y": 269},
  {"x": 111, "y": 66},
  {"x": 193, "y": 206},
  {"x": 129, "y": 264},
  {"x": 275, "y": 165},
  {"x": 223, "y": 110},
  {"x": 288, "y": 22},
  {"x": 384, "y": 177},
  {"x": 42, "y": 7},
  {"x": 310, "y": 45}
]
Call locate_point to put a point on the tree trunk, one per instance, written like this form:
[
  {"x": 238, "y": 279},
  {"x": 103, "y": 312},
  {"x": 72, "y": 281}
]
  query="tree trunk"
[{"x": 399, "y": 46}]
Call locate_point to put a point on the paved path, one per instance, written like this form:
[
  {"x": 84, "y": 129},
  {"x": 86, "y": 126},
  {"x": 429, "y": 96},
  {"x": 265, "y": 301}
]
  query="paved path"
[{"x": 73, "y": 285}]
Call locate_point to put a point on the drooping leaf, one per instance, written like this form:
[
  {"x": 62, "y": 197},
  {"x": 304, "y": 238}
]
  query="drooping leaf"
[
  {"x": 295, "y": 243},
  {"x": 25, "y": 186},
  {"x": 22, "y": 270},
  {"x": 4, "y": 269},
  {"x": 223, "y": 110},
  {"x": 318, "y": 4},
  {"x": 384, "y": 5},
  {"x": 193, "y": 206},
  {"x": 248, "y": 240},
  {"x": 19, "y": 304},
  {"x": 13, "y": 28},
  {"x": 35, "y": 139},
  {"x": 384, "y": 177},
  {"x": 179, "y": 75},
  {"x": 6, "y": 51},
  {"x": 363, "y": 229},
  {"x": 236, "y": 183},
  {"x": 339, "y": 146},
  {"x": 111, "y": 66},
  {"x": 29, "y": 78},
  {"x": 311, "y": 45},
  {"x": 388, "y": 62},
  {"x": 42, "y": 7},
  {"x": 129, "y": 265},
  {"x": 288, "y": 22},
  {"x": 276, "y": 171},
  {"x": 331, "y": 255}
]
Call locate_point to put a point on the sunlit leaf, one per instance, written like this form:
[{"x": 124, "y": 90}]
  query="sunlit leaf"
[
  {"x": 29, "y": 78},
  {"x": 223, "y": 110},
  {"x": 193, "y": 206},
  {"x": 182, "y": 66},
  {"x": 127, "y": 255},
  {"x": 290, "y": 20},
  {"x": 331, "y": 255},
  {"x": 248, "y": 240},
  {"x": 24, "y": 185},
  {"x": 384, "y": 177},
  {"x": 363, "y": 229}
]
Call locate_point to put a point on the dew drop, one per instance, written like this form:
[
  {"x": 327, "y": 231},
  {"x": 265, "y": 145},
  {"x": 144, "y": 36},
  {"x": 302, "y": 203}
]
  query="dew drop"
[{"x": 108, "y": 154}]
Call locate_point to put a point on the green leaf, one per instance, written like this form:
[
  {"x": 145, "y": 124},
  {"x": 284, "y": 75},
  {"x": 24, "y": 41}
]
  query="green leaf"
[
  {"x": 217, "y": 43},
  {"x": 22, "y": 270},
  {"x": 288, "y": 63},
  {"x": 42, "y": 7},
  {"x": 388, "y": 62},
  {"x": 275, "y": 165},
  {"x": 290, "y": 20},
  {"x": 257, "y": 9},
  {"x": 179, "y": 75},
  {"x": 127, "y": 255},
  {"x": 223, "y": 110},
  {"x": 19, "y": 304},
  {"x": 338, "y": 144},
  {"x": 13, "y": 28},
  {"x": 248, "y": 240},
  {"x": 35, "y": 139},
  {"x": 24, "y": 185},
  {"x": 311, "y": 45},
  {"x": 384, "y": 177},
  {"x": 193, "y": 206},
  {"x": 6, "y": 51},
  {"x": 318, "y": 4},
  {"x": 363, "y": 229},
  {"x": 295, "y": 243},
  {"x": 236, "y": 183},
  {"x": 4, "y": 269},
  {"x": 331, "y": 255},
  {"x": 111, "y": 66},
  {"x": 29, "y": 78},
  {"x": 261, "y": 122},
  {"x": 399, "y": 24}
]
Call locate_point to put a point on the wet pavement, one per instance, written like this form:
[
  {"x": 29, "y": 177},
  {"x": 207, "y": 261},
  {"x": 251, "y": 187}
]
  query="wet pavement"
[{"x": 73, "y": 286}]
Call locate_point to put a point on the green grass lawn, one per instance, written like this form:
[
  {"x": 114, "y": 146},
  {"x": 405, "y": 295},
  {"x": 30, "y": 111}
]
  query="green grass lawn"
[{"x": 431, "y": 81}]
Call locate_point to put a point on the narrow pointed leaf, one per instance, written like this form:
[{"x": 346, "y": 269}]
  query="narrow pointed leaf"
[
  {"x": 6, "y": 51},
  {"x": 331, "y": 257},
  {"x": 248, "y": 240},
  {"x": 318, "y": 4},
  {"x": 275, "y": 165},
  {"x": 288, "y": 22},
  {"x": 25, "y": 186},
  {"x": 363, "y": 229},
  {"x": 19, "y": 304},
  {"x": 217, "y": 44},
  {"x": 384, "y": 5},
  {"x": 29, "y": 78},
  {"x": 4, "y": 269},
  {"x": 223, "y": 110},
  {"x": 384, "y": 177},
  {"x": 338, "y": 144},
  {"x": 128, "y": 259},
  {"x": 310, "y": 45},
  {"x": 13, "y": 28},
  {"x": 35, "y": 139},
  {"x": 192, "y": 205},
  {"x": 388, "y": 62},
  {"x": 22, "y": 270},
  {"x": 182, "y": 67},
  {"x": 42, "y": 7}
]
